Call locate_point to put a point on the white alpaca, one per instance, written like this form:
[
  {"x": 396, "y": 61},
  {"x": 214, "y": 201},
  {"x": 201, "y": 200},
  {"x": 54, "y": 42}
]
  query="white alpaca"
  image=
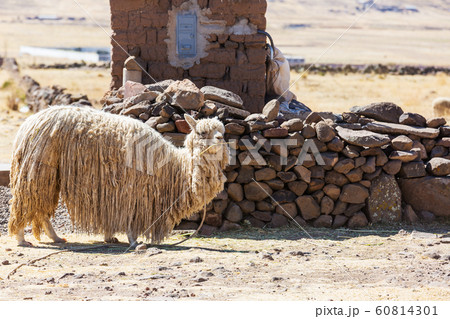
[{"x": 82, "y": 155}]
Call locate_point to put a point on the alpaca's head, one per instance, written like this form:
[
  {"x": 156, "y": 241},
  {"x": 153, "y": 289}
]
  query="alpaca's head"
[{"x": 207, "y": 139}]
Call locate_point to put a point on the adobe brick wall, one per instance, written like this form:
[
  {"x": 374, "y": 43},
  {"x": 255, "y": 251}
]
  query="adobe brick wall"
[{"x": 234, "y": 62}]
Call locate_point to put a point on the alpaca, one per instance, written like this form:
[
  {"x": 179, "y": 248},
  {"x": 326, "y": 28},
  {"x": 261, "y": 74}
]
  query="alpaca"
[
  {"x": 441, "y": 107},
  {"x": 83, "y": 156}
]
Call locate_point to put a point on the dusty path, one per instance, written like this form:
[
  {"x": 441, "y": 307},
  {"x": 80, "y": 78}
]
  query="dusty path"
[
  {"x": 379, "y": 263},
  {"x": 282, "y": 264}
]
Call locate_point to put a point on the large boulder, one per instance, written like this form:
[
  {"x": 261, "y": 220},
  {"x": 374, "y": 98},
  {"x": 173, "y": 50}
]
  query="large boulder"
[
  {"x": 324, "y": 132},
  {"x": 354, "y": 194},
  {"x": 397, "y": 129},
  {"x": 358, "y": 220},
  {"x": 402, "y": 143},
  {"x": 257, "y": 191},
  {"x": 293, "y": 125},
  {"x": 159, "y": 86},
  {"x": 412, "y": 170},
  {"x": 185, "y": 94},
  {"x": 308, "y": 207},
  {"x": 362, "y": 137},
  {"x": 133, "y": 88},
  {"x": 384, "y": 111},
  {"x": 427, "y": 194},
  {"x": 385, "y": 200},
  {"x": 223, "y": 96},
  {"x": 413, "y": 119},
  {"x": 439, "y": 166},
  {"x": 271, "y": 110}
]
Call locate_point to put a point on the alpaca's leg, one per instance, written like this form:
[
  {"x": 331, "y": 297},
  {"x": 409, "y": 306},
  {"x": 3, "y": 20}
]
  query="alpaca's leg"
[
  {"x": 50, "y": 232},
  {"x": 20, "y": 236},
  {"x": 132, "y": 238},
  {"x": 109, "y": 238}
]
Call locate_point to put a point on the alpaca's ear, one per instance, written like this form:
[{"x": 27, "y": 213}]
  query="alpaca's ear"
[{"x": 191, "y": 121}]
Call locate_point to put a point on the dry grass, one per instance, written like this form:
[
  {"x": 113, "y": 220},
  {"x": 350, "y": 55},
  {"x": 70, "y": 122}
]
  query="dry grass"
[
  {"x": 93, "y": 82},
  {"x": 338, "y": 93}
]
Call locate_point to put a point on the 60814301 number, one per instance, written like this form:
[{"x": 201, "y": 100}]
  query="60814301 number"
[{"x": 406, "y": 311}]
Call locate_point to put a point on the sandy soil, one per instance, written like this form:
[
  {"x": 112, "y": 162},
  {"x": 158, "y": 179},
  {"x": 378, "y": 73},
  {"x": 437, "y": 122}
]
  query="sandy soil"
[
  {"x": 378, "y": 263},
  {"x": 282, "y": 264}
]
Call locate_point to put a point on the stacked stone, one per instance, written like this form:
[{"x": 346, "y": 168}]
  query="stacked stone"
[
  {"x": 39, "y": 98},
  {"x": 353, "y": 178},
  {"x": 234, "y": 62},
  {"x": 371, "y": 68}
]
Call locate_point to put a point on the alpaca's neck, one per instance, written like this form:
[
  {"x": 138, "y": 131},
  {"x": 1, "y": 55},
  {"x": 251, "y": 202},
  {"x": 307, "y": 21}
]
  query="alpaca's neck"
[
  {"x": 205, "y": 180},
  {"x": 206, "y": 173}
]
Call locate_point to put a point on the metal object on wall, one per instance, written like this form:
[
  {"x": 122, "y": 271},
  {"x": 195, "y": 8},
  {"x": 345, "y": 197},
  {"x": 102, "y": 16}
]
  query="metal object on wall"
[{"x": 186, "y": 35}]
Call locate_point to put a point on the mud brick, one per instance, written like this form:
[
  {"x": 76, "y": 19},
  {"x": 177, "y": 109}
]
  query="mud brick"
[
  {"x": 222, "y": 56},
  {"x": 134, "y": 50},
  {"x": 119, "y": 20},
  {"x": 116, "y": 81},
  {"x": 239, "y": 38},
  {"x": 232, "y": 86},
  {"x": 241, "y": 57},
  {"x": 258, "y": 20},
  {"x": 256, "y": 56},
  {"x": 177, "y": 3},
  {"x": 121, "y": 38},
  {"x": 247, "y": 72},
  {"x": 231, "y": 45},
  {"x": 117, "y": 68},
  {"x": 151, "y": 18},
  {"x": 248, "y": 7},
  {"x": 255, "y": 40},
  {"x": 137, "y": 36},
  {"x": 229, "y": 19},
  {"x": 162, "y": 71},
  {"x": 208, "y": 70},
  {"x": 253, "y": 104},
  {"x": 257, "y": 88},
  {"x": 134, "y": 20},
  {"x": 152, "y": 37},
  {"x": 120, "y": 5},
  {"x": 212, "y": 38},
  {"x": 155, "y": 53}
]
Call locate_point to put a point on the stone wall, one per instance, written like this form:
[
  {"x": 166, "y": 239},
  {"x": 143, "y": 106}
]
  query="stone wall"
[
  {"x": 372, "y": 164},
  {"x": 231, "y": 54}
]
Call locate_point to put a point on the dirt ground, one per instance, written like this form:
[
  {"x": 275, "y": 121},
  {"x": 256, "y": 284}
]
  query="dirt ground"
[{"x": 396, "y": 262}]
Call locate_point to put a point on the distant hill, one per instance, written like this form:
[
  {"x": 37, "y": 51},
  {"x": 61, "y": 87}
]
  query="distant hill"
[
  {"x": 393, "y": 31},
  {"x": 99, "y": 9}
]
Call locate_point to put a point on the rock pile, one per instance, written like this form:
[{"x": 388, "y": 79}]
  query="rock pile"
[
  {"x": 329, "y": 170},
  {"x": 39, "y": 98},
  {"x": 371, "y": 68}
]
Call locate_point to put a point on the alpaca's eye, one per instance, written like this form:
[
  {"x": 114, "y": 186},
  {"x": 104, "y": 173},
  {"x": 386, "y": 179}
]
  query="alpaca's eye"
[{"x": 204, "y": 134}]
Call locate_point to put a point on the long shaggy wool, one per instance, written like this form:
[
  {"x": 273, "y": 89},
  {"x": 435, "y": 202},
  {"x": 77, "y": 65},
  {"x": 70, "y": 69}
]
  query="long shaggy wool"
[{"x": 83, "y": 155}]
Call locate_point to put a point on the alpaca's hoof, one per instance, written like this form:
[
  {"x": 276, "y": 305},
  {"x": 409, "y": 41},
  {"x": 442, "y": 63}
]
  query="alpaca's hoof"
[
  {"x": 112, "y": 240},
  {"x": 24, "y": 244},
  {"x": 134, "y": 244},
  {"x": 60, "y": 241}
]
